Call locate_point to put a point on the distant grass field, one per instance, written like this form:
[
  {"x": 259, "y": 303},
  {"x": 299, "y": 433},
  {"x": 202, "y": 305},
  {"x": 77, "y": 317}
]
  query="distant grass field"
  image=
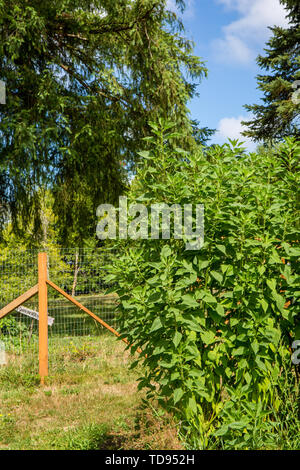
[
  {"x": 90, "y": 401},
  {"x": 69, "y": 320}
]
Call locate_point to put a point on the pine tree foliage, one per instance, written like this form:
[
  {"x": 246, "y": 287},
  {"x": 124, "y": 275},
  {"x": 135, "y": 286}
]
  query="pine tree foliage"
[{"x": 278, "y": 115}]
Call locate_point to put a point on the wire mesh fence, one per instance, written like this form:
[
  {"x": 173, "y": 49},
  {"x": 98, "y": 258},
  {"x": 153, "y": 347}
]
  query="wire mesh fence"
[
  {"x": 81, "y": 274},
  {"x": 18, "y": 332}
]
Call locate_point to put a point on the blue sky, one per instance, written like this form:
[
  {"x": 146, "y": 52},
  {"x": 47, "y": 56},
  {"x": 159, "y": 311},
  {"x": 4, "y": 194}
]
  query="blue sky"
[{"x": 228, "y": 35}]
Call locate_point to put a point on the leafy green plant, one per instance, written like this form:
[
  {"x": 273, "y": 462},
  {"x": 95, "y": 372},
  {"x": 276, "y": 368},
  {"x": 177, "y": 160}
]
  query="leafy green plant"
[
  {"x": 246, "y": 426},
  {"x": 10, "y": 327},
  {"x": 251, "y": 426},
  {"x": 217, "y": 323},
  {"x": 14, "y": 333},
  {"x": 83, "y": 352}
]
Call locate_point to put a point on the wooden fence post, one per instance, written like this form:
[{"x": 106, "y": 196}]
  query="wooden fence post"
[{"x": 43, "y": 316}]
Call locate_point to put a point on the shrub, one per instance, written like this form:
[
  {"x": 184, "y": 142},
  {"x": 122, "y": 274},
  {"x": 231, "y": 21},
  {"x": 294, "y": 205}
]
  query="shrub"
[{"x": 217, "y": 323}]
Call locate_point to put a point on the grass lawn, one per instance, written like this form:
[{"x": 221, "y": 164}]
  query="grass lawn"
[{"x": 90, "y": 401}]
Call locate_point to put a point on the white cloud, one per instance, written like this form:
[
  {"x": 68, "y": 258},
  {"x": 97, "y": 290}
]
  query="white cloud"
[
  {"x": 231, "y": 127},
  {"x": 233, "y": 49},
  {"x": 171, "y": 4},
  {"x": 243, "y": 39}
]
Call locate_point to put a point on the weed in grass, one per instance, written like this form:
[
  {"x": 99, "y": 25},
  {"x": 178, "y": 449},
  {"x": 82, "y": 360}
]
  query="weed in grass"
[
  {"x": 86, "y": 437},
  {"x": 7, "y": 427},
  {"x": 13, "y": 376},
  {"x": 69, "y": 391},
  {"x": 82, "y": 353},
  {"x": 121, "y": 423}
]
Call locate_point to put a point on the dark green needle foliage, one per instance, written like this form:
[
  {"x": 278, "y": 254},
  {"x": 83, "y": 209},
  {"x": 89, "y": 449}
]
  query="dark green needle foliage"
[
  {"x": 278, "y": 114},
  {"x": 83, "y": 78}
]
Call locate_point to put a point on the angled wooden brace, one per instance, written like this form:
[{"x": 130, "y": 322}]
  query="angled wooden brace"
[
  {"x": 86, "y": 310},
  {"x": 19, "y": 301}
]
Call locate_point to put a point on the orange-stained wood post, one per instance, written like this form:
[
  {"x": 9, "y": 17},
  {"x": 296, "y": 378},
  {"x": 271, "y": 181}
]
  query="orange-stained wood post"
[{"x": 43, "y": 317}]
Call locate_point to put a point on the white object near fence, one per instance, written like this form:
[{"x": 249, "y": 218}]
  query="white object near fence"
[
  {"x": 2, "y": 92},
  {"x": 2, "y": 354},
  {"x": 33, "y": 314}
]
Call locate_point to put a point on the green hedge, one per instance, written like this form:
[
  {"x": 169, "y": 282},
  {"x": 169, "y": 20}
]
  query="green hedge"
[{"x": 215, "y": 325}]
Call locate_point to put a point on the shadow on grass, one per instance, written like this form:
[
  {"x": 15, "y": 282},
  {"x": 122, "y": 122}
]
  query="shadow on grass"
[{"x": 113, "y": 442}]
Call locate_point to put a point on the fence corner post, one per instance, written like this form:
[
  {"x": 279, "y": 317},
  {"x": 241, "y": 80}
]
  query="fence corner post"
[{"x": 43, "y": 316}]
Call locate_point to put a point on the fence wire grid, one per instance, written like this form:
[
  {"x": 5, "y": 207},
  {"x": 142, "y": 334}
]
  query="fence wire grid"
[{"x": 80, "y": 273}]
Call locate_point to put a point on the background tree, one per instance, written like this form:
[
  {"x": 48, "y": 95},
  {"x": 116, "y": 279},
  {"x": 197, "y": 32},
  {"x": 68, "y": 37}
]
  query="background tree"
[
  {"x": 83, "y": 80},
  {"x": 278, "y": 116}
]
